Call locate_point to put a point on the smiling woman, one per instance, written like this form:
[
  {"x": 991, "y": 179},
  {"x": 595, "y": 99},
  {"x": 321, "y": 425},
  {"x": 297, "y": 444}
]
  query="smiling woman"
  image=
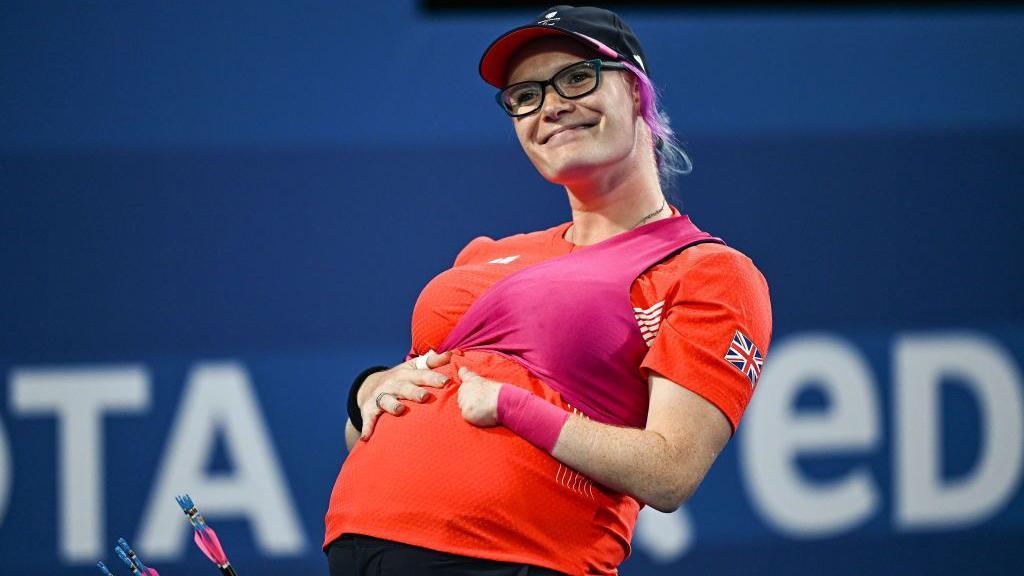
[{"x": 586, "y": 369}]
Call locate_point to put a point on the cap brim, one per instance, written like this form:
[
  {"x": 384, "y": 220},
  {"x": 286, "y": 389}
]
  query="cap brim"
[{"x": 494, "y": 62}]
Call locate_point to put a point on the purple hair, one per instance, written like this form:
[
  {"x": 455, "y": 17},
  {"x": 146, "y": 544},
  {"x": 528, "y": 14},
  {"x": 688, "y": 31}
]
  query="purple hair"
[{"x": 670, "y": 157}]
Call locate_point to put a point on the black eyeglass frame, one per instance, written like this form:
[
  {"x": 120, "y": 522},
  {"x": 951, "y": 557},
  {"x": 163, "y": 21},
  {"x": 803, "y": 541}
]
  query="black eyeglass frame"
[{"x": 596, "y": 63}]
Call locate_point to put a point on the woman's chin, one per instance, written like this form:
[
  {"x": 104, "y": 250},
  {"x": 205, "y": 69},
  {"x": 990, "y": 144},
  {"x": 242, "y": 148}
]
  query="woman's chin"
[{"x": 574, "y": 172}]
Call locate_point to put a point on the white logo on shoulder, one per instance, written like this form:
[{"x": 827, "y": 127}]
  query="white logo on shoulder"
[
  {"x": 504, "y": 260},
  {"x": 649, "y": 320}
]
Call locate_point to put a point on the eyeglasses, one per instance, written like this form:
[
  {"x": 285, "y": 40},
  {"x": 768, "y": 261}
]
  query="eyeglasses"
[{"x": 572, "y": 82}]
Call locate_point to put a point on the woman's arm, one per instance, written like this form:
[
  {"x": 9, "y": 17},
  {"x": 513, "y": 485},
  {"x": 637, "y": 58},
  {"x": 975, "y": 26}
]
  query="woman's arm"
[{"x": 661, "y": 465}]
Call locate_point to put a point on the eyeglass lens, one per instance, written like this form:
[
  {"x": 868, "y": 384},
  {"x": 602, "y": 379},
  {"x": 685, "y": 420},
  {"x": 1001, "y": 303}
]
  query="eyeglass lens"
[{"x": 573, "y": 82}]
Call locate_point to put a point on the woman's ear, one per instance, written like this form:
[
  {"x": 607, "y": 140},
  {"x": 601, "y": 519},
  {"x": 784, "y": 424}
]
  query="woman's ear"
[{"x": 636, "y": 92}]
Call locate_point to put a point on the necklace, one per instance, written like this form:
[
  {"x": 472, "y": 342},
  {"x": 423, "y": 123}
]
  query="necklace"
[{"x": 572, "y": 230}]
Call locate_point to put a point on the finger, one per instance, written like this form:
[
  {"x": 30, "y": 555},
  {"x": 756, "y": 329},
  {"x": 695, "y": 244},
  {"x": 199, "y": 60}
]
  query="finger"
[
  {"x": 391, "y": 405},
  {"x": 426, "y": 361},
  {"x": 434, "y": 379},
  {"x": 435, "y": 360},
  {"x": 369, "y": 419},
  {"x": 421, "y": 378},
  {"x": 410, "y": 391},
  {"x": 399, "y": 383},
  {"x": 412, "y": 363}
]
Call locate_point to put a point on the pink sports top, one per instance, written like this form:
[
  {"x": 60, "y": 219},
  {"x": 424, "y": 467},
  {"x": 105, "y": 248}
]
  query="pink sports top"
[{"x": 569, "y": 320}]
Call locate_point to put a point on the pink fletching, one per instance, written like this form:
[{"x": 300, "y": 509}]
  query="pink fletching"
[
  {"x": 207, "y": 541},
  {"x": 151, "y": 572}
]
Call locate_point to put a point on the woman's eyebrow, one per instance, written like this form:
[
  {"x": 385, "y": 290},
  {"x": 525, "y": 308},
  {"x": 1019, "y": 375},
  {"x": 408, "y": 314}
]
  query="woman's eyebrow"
[{"x": 537, "y": 77}]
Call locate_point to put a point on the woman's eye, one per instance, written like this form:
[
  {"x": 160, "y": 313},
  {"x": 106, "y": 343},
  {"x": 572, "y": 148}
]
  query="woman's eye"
[{"x": 524, "y": 97}]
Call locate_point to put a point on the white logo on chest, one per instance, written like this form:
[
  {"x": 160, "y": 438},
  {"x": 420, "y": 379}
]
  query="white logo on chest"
[{"x": 504, "y": 260}]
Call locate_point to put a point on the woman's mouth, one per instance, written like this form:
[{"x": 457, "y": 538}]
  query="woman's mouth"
[{"x": 567, "y": 133}]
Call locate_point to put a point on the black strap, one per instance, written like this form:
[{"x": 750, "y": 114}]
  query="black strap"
[{"x": 354, "y": 414}]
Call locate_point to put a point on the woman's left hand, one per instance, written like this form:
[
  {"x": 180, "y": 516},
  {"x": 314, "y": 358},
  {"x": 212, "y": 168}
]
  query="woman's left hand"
[{"x": 478, "y": 398}]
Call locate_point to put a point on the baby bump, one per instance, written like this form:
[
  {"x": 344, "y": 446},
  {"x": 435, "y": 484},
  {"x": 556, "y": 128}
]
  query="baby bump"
[{"x": 432, "y": 470}]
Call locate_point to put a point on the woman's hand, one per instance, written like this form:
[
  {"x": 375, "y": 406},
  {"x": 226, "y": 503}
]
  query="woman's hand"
[
  {"x": 403, "y": 382},
  {"x": 478, "y": 398}
]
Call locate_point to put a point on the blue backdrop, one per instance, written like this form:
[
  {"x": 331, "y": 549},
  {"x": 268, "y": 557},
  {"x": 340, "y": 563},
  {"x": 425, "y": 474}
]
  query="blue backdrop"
[{"x": 214, "y": 215}]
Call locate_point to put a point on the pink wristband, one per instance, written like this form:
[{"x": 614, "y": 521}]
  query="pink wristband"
[{"x": 530, "y": 416}]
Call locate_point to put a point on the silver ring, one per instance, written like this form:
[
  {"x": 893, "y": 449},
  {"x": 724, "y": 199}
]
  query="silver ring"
[{"x": 379, "y": 396}]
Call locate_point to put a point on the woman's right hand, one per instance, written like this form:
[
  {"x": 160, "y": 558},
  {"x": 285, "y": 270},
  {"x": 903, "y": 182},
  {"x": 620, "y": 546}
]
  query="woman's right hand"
[{"x": 403, "y": 382}]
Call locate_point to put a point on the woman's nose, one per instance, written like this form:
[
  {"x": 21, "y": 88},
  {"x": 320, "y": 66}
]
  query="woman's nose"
[{"x": 554, "y": 104}]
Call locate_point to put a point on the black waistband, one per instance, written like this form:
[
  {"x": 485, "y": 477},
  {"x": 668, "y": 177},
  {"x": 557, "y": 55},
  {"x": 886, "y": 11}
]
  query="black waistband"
[{"x": 358, "y": 555}]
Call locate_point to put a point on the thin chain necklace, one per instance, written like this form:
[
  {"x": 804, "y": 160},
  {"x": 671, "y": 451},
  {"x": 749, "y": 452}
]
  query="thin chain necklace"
[{"x": 572, "y": 231}]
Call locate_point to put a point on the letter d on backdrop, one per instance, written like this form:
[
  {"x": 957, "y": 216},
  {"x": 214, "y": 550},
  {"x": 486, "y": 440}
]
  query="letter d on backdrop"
[{"x": 991, "y": 376}]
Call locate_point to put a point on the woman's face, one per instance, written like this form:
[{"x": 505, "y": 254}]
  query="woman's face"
[{"x": 568, "y": 140}]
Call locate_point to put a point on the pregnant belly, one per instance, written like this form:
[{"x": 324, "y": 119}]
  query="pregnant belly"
[{"x": 431, "y": 479}]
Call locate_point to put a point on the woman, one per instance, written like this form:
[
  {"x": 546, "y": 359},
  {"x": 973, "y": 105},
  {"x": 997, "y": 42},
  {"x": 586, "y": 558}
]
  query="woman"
[{"x": 586, "y": 369}]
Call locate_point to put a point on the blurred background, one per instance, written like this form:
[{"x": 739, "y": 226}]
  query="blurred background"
[{"x": 215, "y": 214}]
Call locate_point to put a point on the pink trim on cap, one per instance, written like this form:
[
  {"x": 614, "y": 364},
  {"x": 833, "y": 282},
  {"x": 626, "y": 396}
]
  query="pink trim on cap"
[{"x": 599, "y": 45}]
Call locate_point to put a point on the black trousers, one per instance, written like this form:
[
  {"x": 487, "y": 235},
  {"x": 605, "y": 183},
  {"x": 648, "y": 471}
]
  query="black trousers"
[{"x": 356, "y": 555}]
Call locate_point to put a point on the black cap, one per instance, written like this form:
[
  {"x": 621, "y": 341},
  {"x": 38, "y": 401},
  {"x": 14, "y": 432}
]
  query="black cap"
[{"x": 595, "y": 27}]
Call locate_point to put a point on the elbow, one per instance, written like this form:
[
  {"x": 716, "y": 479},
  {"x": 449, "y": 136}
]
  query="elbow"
[
  {"x": 672, "y": 497},
  {"x": 667, "y": 504},
  {"x": 666, "y": 507},
  {"x": 671, "y": 485}
]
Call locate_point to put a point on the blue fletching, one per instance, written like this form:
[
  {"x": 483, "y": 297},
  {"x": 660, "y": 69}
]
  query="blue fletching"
[
  {"x": 103, "y": 569},
  {"x": 189, "y": 507},
  {"x": 185, "y": 501},
  {"x": 124, "y": 557},
  {"x": 131, "y": 553}
]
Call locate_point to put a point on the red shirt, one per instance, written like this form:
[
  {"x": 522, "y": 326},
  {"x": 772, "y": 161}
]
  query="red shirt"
[{"x": 430, "y": 479}]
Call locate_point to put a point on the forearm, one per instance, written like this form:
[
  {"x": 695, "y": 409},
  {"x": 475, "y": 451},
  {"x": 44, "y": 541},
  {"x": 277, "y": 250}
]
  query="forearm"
[
  {"x": 661, "y": 465},
  {"x": 638, "y": 462}
]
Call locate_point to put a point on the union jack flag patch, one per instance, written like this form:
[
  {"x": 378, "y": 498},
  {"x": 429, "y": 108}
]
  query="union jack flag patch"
[{"x": 745, "y": 356}]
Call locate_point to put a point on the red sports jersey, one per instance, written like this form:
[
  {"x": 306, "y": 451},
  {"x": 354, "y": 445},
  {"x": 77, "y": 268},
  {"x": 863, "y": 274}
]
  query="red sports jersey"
[{"x": 430, "y": 479}]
